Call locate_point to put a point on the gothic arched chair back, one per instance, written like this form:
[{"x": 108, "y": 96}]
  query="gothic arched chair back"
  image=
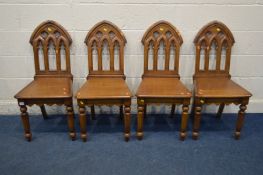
[
  {"x": 105, "y": 84},
  {"x": 213, "y": 50},
  {"x": 52, "y": 83},
  {"x": 51, "y": 44},
  {"x": 212, "y": 81},
  {"x": 162, "y": 39},
  {"x": 105, "y": 37},
  {"x": 161, "y": 81}
]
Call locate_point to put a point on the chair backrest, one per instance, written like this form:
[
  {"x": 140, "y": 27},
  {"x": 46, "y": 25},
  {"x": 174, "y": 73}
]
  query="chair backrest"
[
  {"x": 105, "y": 37},
  {"x": 162, "y": 43},
  {"x": 213, "y": 50},
  {"x": 50, "y": 37}
]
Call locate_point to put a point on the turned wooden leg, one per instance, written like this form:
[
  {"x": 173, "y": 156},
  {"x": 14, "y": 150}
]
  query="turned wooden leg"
[
  {"x": 220, "y": 110},
  {"x": 127, "y": 122},
  {"x": 72, "y": 132},
  {"x": 185, "y": 109},
  {"x": 121, "y": 111},
  {"x": 172, "y": 110},
  {"x": 25, "y": 121},
  {"x": 83, "y": 123},
  {"x": 92, "y": 109},
  {"x": 43, "y": 110},
  {"x": 197, "y": 118},
  {"x": 240, "y": 120},
  {"x": 140, "y": 121},
  {"x": 145, "y": 111}
]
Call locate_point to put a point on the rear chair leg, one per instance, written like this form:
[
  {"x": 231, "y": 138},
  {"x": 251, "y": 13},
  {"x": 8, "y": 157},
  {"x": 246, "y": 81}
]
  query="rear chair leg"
[
  {"x": 220, "y": 110},
  {"x": 121, "y": 111},
  {"x": 172, "y": 110},
  {"x": 145, "y": 111},
  {"x": 192, "y": 113},
  {"x": 93, "y": 112},
  {"x": 43, "y": 110}
]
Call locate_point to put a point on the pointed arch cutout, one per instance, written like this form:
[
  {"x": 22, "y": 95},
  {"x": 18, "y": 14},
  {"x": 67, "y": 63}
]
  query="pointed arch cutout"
[
  {"x": 172, "y": 40},
  {"x": 50, "y": 27},
  {"x": 219, "y": 33},
  {"x": 105, "y": 31},
  {"x": 105, "y": 27},
  {"x": 162, "y": 27},
  {"x": 47, "y": 33},
  {"x": 214, "y": 27}
]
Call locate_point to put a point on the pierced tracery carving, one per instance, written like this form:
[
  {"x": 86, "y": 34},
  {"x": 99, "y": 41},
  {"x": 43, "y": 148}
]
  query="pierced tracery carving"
[
  {"x": 162, "y": 44},
  {"x": 49, "y": 41},
  {"x": 214, "y": 41},
  {"x": 105, "y": 43}
]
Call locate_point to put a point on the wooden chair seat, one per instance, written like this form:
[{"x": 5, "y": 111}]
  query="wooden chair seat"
[
  {"x": 104, "y": 88},
  {"x": 217, "y": 87},
  {"x": 163, "y": 88},
  {"x": 47, "y": 88}
]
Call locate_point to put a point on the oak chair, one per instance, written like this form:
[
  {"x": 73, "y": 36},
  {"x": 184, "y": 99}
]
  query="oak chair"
[
  {"x": 105, "y": 85},
  {"x": 212, "y": 81},
  {"x": 162, "y": 84},
  {"x": 52, "y": 84}
]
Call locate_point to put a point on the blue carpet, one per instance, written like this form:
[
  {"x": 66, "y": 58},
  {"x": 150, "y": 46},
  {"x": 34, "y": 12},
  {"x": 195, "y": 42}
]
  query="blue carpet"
[{"x": 105, "y": 152}]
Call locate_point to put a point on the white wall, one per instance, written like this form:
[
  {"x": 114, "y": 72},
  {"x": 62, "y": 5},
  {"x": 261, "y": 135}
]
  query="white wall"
[{"x": 18, "y": 18}]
